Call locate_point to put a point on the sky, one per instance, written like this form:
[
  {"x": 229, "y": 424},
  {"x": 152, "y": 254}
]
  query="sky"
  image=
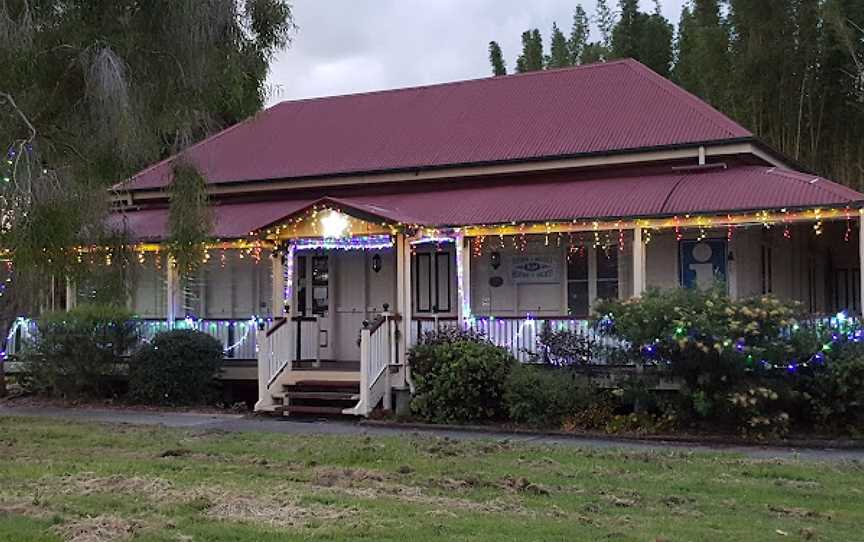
[{"x": 346, "y": 46}]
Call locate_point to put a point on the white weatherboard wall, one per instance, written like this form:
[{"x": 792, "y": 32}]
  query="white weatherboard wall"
[
  {"x": 540, "y": 298},
  {"x": 800, "y": 266}
]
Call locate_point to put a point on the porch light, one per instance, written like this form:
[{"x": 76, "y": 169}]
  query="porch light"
[
  {"x": 334, "y": 224},
  {"x": 376, "y": 263}
]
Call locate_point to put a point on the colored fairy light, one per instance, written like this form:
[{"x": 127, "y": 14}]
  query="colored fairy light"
[
  {"x": 288, "y": 275},
  {"x": 363, "y": 242}
]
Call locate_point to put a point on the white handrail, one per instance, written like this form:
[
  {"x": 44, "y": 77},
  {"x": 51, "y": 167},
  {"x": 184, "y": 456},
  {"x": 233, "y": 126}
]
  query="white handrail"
[
  {"x": 276, "y": 349},
  {"x": 377, "y": 353}
]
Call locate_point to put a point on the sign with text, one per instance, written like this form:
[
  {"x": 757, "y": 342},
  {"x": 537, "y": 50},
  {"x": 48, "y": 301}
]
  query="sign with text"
[{"x": 534, "y": 269}]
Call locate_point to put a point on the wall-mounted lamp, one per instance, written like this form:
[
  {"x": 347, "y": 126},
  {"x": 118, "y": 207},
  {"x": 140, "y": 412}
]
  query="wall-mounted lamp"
[
  {"x": 376, "y": 263},
  {"x": 495, "y": 259},
  {"x": 730, "y": 257}
]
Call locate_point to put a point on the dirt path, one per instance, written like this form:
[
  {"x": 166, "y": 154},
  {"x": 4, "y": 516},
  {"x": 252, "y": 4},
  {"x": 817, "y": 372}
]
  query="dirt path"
[{"x": 241, "y": 423}]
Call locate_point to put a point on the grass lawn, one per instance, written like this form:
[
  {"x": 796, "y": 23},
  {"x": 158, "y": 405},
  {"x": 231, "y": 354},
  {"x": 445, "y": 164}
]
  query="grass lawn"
[{"x": 92, "y": 483}]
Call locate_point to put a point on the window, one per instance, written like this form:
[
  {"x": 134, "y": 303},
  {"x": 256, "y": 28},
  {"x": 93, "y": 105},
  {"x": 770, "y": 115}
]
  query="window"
[
  {"x": 578, "y": 298},
  {"x": 846, "y": 285},
  {"x": 607, "y": 274},
  {"x": 592, "y": 274},
  {"x": 433, "y": 291}
]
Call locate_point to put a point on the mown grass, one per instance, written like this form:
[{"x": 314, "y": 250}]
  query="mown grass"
[{"x": 89, "y": 482}]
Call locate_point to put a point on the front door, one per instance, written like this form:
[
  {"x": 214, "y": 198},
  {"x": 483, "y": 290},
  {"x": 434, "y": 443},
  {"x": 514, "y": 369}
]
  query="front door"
[{"x": 314, "y": 297}]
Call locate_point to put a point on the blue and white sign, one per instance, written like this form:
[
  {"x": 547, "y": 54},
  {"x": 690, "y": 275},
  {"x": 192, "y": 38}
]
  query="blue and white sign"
[
  {"x": 533, "y": 268},
  {"x": 702, "y": 262}
]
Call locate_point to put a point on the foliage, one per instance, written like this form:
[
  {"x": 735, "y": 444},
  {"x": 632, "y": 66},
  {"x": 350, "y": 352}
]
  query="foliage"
[
  {"x": 791, "y": 72},
  {"x": 562, "y": 347},
  {"x": 543, "y": 397},
  {"x": 75, "y": 353},
  {"x": 531, "y": 58},
  {"x": 757, "y": 412},
  {"x": 720, "y": 349},
  {"x": 834, "y": 391},
  {"x": 645, "y": 37},
  {"x": 496, "y": 58},
  {"x": 459, "y": 378},
  {"x": 91, "y": 91},
  {"x": 707, "y": 338},
  {"x": 190, "y": 219},
  {"x": 177, "y": 368},
  {"x": 559, "y": 50}
]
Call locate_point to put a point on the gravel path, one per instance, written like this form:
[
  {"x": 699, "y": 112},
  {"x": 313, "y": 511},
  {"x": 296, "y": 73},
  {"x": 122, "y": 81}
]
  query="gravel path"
[{"x": 241, "y": 423}]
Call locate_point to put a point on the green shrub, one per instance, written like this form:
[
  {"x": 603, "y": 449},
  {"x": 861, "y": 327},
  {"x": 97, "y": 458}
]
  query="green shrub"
[
  {"x": 76, "y": 354},
  {"x": 562, "y": 347},
  {"x": 459, "y": 378},
  {"x": 543, "y": 396},
  {"x": 178, "y": 367},
  {"x": 834, "y": 391}
]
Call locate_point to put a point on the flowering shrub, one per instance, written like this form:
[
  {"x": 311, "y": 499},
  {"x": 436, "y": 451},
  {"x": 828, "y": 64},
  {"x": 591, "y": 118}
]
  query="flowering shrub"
[{"x": 757, "y": 413}]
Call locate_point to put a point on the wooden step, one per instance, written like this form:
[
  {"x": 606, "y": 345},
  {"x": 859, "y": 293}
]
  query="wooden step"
[
  {"x": 323, "y": 395},
  {"x": 312, "y": 409},
  {"x": 325, "y": 384}
]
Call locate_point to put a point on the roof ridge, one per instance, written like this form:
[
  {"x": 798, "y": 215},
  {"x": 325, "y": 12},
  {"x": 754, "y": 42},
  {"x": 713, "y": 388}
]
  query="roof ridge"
[
  {"x": 667, "y": 86},
  {"x": 459, "y": 82}
]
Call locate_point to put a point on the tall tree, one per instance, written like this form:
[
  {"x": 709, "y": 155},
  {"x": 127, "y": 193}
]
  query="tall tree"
[
  {"x": 579, "y": 32},
  {"x": 91, "y": 91},
  {"x": 703, "y": 65},
  {"x": 531, "y": 58},
  {"x": 496, "y": 59},
  {"x": 626, "y": 35},
  {"x": 647, "y": 38},
  {"x": 559, "y": 52},
  {"x": 605, "y": 19}
]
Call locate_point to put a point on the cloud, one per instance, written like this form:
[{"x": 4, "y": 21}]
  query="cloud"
[{"x": 345, "y": 46}]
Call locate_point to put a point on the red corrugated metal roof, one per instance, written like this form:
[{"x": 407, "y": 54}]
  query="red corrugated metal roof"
[
  {"x": 231, "y": 221},
  {"x": 620, "y": 105},
  {"x": 672, "y": 192},
  {"x": 675, "y": 192}
]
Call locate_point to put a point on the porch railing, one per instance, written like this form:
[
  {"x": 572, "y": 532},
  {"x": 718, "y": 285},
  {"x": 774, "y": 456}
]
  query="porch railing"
[
  {"x": 238, "y": 336},
  {"x": 377, "y": 352},
  {"x": 519, "y": 335}
]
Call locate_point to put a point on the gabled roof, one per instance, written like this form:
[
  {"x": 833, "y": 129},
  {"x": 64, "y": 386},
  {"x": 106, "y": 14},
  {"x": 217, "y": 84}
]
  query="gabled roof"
[
  {"x": 599, "y": 108},
  {"x": 708, "y": 190}
]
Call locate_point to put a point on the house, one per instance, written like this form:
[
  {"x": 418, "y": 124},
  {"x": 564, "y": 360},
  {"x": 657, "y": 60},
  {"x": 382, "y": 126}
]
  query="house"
[{"x": 347, "y": 226}]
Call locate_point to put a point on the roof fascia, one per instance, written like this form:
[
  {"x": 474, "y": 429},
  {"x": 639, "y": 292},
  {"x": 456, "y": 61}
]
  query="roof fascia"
[{"x": 614, "y": 159}]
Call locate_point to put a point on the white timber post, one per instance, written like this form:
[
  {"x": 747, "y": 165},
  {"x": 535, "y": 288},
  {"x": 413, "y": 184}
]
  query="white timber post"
[
  {"x": 365, "y": 407},
  {"x": 638, "y": 262},
  {"x": 172, "y": 291},
  {"x": 463, "y": 278},
  {"x": 861, "y": 260},
  {"x": 402, "y": 297},
  {"x": 71, "y": 294},
  {"x": 403, "y": 304},
  {"x": 277, "y": 294}
]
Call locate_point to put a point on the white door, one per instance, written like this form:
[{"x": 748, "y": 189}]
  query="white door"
[{"x": 314, "y": 299}]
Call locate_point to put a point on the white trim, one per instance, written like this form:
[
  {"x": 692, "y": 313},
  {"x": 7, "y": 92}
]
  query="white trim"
[{"x": 639, "y": 265}]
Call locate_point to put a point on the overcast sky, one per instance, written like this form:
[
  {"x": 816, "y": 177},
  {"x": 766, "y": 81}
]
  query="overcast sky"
[{"x": 345, "y": 46}]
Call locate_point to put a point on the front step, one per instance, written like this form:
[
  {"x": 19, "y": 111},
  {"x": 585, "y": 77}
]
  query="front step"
[{"x": 329, "y": 397}]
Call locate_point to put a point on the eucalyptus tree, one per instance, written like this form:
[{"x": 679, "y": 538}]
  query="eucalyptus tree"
[{"x": 91, "y": 91}]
